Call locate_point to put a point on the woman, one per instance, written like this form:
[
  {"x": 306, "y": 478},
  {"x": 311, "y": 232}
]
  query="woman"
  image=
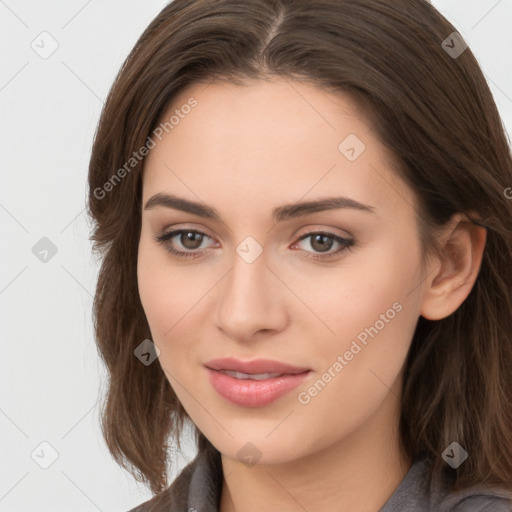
[{"x": 302, "y": 213}]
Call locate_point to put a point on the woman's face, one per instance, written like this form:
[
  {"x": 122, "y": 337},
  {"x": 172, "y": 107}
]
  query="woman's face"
[{"x": 284, "y": 288}]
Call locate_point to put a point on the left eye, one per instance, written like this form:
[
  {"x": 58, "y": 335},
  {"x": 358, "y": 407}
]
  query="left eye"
[
  {"x": 191, "y": 241},
  {"x": 320, "y": 241}
]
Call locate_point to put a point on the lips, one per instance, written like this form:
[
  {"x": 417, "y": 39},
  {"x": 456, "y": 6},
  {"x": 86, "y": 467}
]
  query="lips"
[
  {"x": 254, "y": 383},
  {"x": 255, "y": 367}
]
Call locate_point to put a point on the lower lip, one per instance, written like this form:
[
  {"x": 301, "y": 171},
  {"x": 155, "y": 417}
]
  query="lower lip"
[{"x": 254, "y": 393}]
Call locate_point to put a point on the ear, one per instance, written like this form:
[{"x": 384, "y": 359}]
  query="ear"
[{"x": 453, "y": 273}]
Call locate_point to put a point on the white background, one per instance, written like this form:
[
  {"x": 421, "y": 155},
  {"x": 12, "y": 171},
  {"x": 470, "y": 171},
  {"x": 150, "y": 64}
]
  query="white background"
[{"x": 51, "y": 378}]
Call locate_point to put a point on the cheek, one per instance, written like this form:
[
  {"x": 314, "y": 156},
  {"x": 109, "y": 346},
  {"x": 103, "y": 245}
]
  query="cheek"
[
  {"x": 151, "y": 287},
  {"x": 172, "y": 297},
  {"x": 161, "y": 290},
  {"x": 365, "y": 291},
  {"x": 373, "y": 315}
]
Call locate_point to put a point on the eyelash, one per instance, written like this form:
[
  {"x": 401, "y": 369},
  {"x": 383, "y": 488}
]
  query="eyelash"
[{"x": 165, "y": 238}]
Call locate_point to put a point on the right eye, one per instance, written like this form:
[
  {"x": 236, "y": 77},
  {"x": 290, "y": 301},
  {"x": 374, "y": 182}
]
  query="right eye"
[{"x": 187, "y": 238}]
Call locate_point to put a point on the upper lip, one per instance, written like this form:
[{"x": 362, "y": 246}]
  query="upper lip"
[{"x": 254, "y": 367}]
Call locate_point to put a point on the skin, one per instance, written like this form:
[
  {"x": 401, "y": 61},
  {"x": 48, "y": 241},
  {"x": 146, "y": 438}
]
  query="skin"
[{"x": 244, "y": 150}]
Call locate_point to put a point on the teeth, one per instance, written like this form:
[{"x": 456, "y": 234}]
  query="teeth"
[{"x": 255, "y": 376}]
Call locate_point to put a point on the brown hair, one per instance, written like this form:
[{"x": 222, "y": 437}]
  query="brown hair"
[{"x": 433, "y": 110}]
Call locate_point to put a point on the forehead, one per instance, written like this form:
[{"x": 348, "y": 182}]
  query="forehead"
[
  {"x": 272, "y": 142},
  {"x": 252, "y": 114}
]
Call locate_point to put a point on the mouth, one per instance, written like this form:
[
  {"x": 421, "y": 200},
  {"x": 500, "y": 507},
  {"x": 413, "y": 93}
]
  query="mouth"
[
  {"x": 254, "y": 383},
  {"x": 254, "y": 367},
  {"x": 253, "y": 376}
]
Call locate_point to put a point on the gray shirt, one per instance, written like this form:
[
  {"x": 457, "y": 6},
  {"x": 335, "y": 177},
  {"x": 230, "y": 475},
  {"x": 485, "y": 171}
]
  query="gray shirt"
[{"x": 198, "y": 489}]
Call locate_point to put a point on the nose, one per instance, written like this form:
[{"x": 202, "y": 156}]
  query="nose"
[{"x": 251, "y": 300}]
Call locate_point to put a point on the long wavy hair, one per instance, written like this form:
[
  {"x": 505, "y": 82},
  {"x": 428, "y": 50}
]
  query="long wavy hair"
[{"x": 431, "y": 107}]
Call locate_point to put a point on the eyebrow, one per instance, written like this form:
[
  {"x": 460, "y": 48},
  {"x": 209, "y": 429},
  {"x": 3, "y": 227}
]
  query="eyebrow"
[{"x": 279, "y": 214}]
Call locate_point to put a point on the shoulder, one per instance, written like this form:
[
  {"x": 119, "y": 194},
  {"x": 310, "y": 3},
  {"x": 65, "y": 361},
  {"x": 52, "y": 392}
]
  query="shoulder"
[
  {"x": 197, "y": 487},
  {"x": 477, "y": 501},
  {"x": 418, "y": 493},
  {"x": 174, "y": 498},
  {"x": 477, "y": 498}
]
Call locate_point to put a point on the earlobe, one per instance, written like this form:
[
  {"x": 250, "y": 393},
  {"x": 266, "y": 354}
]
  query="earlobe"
[{"x": 453, "y": 273}]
